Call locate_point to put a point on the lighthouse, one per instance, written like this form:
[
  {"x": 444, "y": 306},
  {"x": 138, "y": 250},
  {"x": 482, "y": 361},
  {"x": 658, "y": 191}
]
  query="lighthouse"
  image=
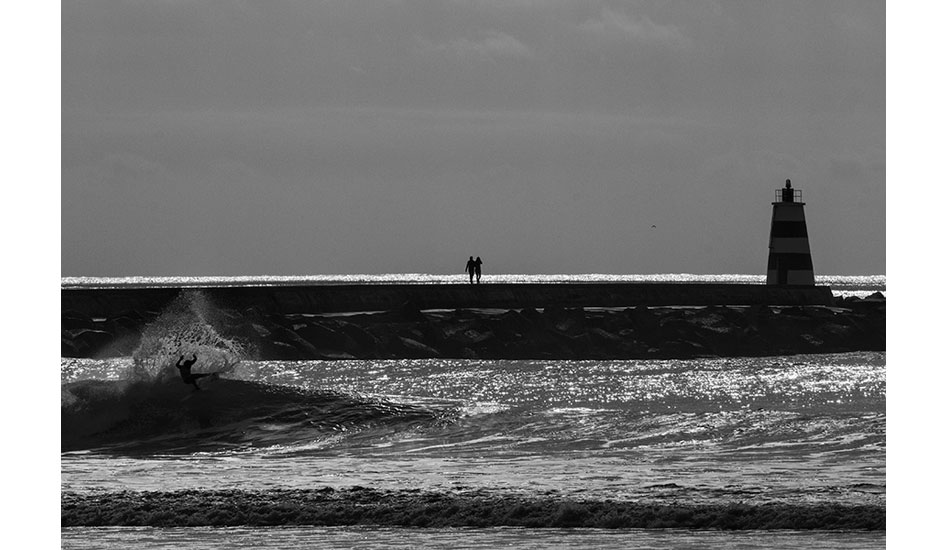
[{"x": 789, "y": 254}]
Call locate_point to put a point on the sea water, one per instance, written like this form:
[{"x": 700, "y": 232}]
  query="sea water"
[
  {"x": 383, "y": 538},
  {"x": 841, "y": 285},
  {"x": 795, "y": 430}
]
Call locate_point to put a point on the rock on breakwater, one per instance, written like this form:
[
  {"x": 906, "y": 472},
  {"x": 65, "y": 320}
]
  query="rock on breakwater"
[
  {"x": 333, "y": 298},
  {"x": 554, "y": 331}
]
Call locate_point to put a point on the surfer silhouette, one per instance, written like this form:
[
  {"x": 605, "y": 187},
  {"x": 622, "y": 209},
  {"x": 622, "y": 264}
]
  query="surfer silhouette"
[
  {"x": 471, "y": 266},
  {"x": 478, "y": 270},
  {"x": 184, "y": 367}
]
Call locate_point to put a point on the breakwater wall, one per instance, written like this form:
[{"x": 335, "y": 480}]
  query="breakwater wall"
[
  {"x": 109, "y": 302},
  {"x": 504, "y": 321}
]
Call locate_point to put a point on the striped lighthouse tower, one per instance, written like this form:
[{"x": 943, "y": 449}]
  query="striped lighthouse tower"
[{"x": 789, "y": 254}]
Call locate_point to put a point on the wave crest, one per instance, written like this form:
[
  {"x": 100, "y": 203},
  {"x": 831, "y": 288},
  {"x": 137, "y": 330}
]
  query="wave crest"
[{"x": 166, "y": 416}]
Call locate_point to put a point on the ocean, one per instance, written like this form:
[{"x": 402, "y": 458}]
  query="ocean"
[
  {"x": 841, "y": 285},
  {"x": 744, "y": 452}
]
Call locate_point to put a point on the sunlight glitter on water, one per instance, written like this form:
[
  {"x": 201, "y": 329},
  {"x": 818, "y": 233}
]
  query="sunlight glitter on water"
[
  {"x": 841, "y": 282},
  {"x": 608, "y": 429}
]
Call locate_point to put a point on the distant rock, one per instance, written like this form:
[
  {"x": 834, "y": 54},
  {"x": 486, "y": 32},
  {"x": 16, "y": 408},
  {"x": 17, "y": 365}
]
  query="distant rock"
[
  {"x": 322, "y": 336},
  {"x": 418, "y": 350},
  {"x": 279, "y": 351},
  {"x": 557, "y": 333},
  {"x": 72, "y": 320},
  {"x": 87, "y": 342},
  {"x": 410, "y": 311}
]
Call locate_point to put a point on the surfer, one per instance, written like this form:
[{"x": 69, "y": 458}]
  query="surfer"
[
  {"x": 184, "y": 367},
  {"x": 478, "y": 270},
  {"x": 471, "y": 266}
]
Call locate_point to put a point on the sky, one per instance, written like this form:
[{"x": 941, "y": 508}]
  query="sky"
[{"x": 403, "y": 136}]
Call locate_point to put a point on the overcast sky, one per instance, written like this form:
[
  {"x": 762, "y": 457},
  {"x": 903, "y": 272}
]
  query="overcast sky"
[{"x": 547, "y": 136}]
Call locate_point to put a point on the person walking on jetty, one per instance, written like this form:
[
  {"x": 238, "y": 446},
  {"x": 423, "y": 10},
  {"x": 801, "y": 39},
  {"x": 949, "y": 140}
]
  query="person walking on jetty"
[
  {"x": 478, "y": 270},
  {"x": 470, "y": 267},
  {"x": 184, "y": 367}
]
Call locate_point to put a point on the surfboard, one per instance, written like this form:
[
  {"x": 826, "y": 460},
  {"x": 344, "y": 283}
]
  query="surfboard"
[
  {"x": 208, "y": 379},
  {"x": 204, "y": 381}
]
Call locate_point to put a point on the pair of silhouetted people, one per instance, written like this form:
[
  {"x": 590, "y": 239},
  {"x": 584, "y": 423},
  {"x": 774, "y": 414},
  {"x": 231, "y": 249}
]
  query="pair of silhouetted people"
[
  {"x": 184, "y": 367},
  {"x": 474, "y": 268}
]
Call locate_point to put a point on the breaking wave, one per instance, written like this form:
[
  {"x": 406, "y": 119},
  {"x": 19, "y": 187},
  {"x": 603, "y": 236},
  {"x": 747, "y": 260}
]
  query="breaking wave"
[
  {"x": 151, "y": 410},
  {"x": 414, "y": 508},
  {"x": 166, "y": 416}
]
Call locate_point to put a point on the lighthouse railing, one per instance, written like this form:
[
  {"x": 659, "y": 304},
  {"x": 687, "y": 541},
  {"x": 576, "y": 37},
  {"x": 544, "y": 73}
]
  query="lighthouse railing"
[{"x": 788, "y": 195}]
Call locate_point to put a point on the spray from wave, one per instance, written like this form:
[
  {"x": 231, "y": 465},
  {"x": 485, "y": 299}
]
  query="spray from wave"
[{"x": 187, "y": 326}]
